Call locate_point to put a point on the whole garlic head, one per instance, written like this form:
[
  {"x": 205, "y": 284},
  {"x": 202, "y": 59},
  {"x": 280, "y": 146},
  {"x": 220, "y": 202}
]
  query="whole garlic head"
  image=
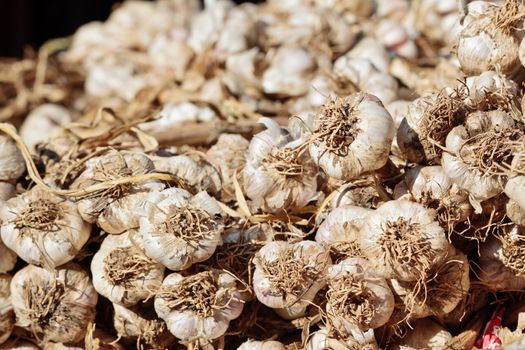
[
  {"x": 352, "y": 136},
  {"x": 122, "y": 272},
  {"x": 179, "y": 229},
  {"x": 54, "y": 305},
  {"x": 199, "y": 306},
  {"x": 43, "y": 229},
  {"x": 12, "y": 164}
]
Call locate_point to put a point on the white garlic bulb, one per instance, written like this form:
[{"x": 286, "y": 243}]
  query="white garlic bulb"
[
  {"x": 425, "y": 334},
  {"x": 7, "y": 316},
  {"x": 43, "y": 229},
  {"x": 431, "y": 187},
  {"x": 488, "y": 39},
  {"x": 396, "y": 38},
  {"x": 42, "y": 123},
  {"x": 352, "y": 136},
  {"x": 341, "y": 228},
  {"x": 403, "y": 240},
  {"x": 55, "y": 305},
  {"x": 228, "y": 155},
  {"x": 501, "y": 260},
  {"x": 122, "y": 272},
  {"x": 323, "y": 340},
  {"x": 179, "y": 229},
  {"x": 261, "y": 345},
  {"x": 373, "y": 50},
  {"x": 114, "y": 210},
  {"x": 516, "y": 181},
  {"x": 12, "y": 164},
  {"x": 490, "y": 90},
  {"x": 140, "y": 325},
  {"x": 199, "y": 306},
  {"x": 7, "y": 190},
  {"x": 170, "y": 54},
  {"x": 287, "y": 276},
  {"x": 433, "y": 18},
  {"x": 479, "y": 151},
  {"x": 278, "y": 175},
  {"x": 356, "y": 299}
]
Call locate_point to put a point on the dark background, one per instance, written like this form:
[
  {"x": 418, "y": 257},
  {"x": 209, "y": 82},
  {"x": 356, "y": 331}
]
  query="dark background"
[{"x": 32, "y": 22}]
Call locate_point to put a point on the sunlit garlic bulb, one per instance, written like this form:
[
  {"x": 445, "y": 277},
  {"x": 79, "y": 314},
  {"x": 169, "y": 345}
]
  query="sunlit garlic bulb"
[
  {"x": 403, "y": 240},
  {"x": 356, "y": 299},
  {"x": 396, "y": 38},
  {"x": 229, "y": 156},
  {"x": 340, "y": 230},
  {"x": 515, "y": 186},
  {"x": 429, "y": 119},
  {"x": 262, "y": 345},
  {"x": 488, "y": 39},
  {"x": 12, "y": 164},
  {"x": 54, "y": 305},
  {"x": 490, "y": 90},
  {"x": 279, "y": 175},
  {"x": 371, "y": 49},
  {"x": 501, "y": 262},
  {"x": 442, "y": 289},
  {"x": 431, "y": 187},
  {"x": 179, "y": 229},
  {"x": 43, "y": 229},
  {"x": 140, "y": 325},
  {"x": 352, "y": 136},
  {"x": 434, "y": 18},
  {"x": 7, "y": 316},
  {"x": 288, "y": 275},
  {"x": 199, "y": 306},
  {"x": 122, "y": 272},
  {"x": 115, "y": 209},
  {"x": 481, "y": 151},
  {"x": 7, "y": 190},
  {"x": 324, "y": 340},
  {"x": 42, "y": 123},
  {"x": 425, "y": 334}
]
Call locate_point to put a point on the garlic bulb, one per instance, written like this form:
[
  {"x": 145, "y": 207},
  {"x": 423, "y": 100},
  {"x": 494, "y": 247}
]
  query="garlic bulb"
[
  {"x": 371, "y": 49},
  {"x": 340, "y": 230},
  {"x": 95, "y": 339},
  {"x": 179, "y": 229},
  {"x": 114, "y": 210},
  {"x": 431, "y": 187},
  {"x": 228, "y": 155},
  {"x": 7, "y": 316},
  {"x": 515, "y": 212},
  {"x": 12, "y": 164},
  {"x": 441, "y": 290},
  {"x": 278, "y": 175},
  {"x": 403, "y": 240},
  {"x": 140, "y": 325},
  {"x": 480, "y": 149},
  {"x": 352, "y": 136},
  {"x": 422, "y": 132},
  {"x": 356, "y": 299},
  {"x": 288, "y": 276},
  {"x": 7, "y": 190},
  {"x": 361, "y": 192},
  {"x": 396, "y": 38},
  {"x": 43, "y": 229},
  {"x": 42, "y": 123},
  {"x": 122, "y": 272},
  {"x": 434, "y": 18},
  {"x": 199, "y": 306},
  {"x": 261, "y": 345},
  {"x": 501, "y": 259},
  {"x": 490, "y": 90},
  {"x": 54, "y": 305},
  {"x": 516, "y": 183},
  {"x": 426, "y": 334},
  {"x": 488, "y": 39},
  {"x": 322, "y": 340}
]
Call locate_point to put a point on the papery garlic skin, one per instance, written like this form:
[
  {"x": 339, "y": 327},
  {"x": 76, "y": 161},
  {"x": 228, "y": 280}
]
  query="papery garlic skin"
[
  {"x": 141, "y": 324},
  {"x": 515, "y": 212},
  {"x": 179, "y": 229},
  {"x": 42, "y": 123},
  {"x": 462, "y": 164},
  {"x": 7, "y": 190},
  {"x": 114, "y": 210},
  {"x": 56, "y": 306},
  {"x": 396, "y": 226},
  {"x": 483, "y": 44},
  {"x": 207, "y": 319},
  {"x": 7, "y": 316},
  {"x": 261, "y": 345},
  {"x": 43, "y": 229},
  {"x": 364, "y": 147},
  {"x": 122, "y": 272},
  {"x": 18, "y": 345},
  {"x": 356, "y": 299},
  {"x": 12, "y": 164},
  {"x": 274, "y": 287},
  {"x": 515, "y": 186},
  {"x": 489, "y": 90},
  {"x": 322, "y": 340},
  {"x": 426, "y": 333}
]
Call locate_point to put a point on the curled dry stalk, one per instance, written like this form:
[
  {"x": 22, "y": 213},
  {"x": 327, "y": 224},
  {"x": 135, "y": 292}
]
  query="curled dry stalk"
[
  {"x": 124, "y": 266},
  {"x": 41, "y": 214},
  {"x": 507, "y": 16}
]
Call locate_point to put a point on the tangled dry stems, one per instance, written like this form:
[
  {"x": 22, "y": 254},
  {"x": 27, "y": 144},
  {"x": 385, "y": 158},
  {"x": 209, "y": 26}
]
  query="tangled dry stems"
[
  {"x": 124, "y": 266},
  {"x": 41, "y": 214},
  {"x": 513, "y": 253},
  {"x": 198, "y": 294},
  {"x": 286, "y": 162},
  {"x": 507, "y": 16},
  {"x": 337, "y": 128}
]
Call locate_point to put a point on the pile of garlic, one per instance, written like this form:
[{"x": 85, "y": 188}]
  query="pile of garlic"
[{"x": 294, "y": 174}]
